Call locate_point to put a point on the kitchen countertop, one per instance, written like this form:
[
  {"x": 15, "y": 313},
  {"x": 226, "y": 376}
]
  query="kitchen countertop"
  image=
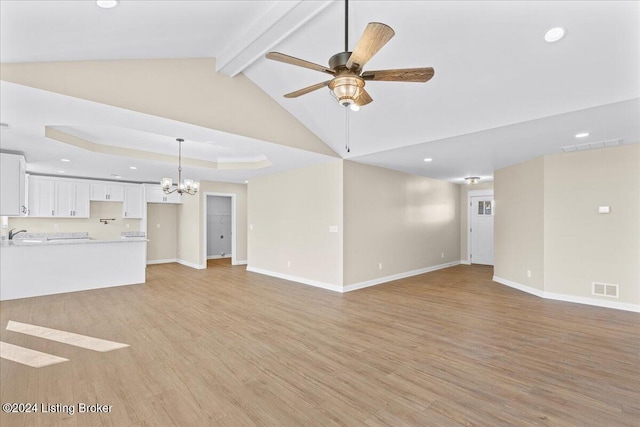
[
  {"x": 20, "y": 243},
  {"x": 56, "y": 239}
]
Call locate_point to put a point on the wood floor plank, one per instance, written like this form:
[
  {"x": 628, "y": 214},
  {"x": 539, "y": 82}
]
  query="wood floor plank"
[{"x": 225, "y": 347}]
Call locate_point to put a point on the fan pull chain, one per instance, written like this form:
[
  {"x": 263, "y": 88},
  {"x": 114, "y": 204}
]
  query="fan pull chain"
[{"x": 346, "y": 127}]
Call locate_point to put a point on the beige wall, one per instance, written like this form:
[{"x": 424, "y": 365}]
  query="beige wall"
[
  {"x": 519, "y": 223},
  {"x": 580, "y": 245},
  {"x": 547, "y": 221},
  {"x": 187, "y": 90},
  {"x": 403, "y": 221},
  {"x": 464, "y": 215},
  {"x": 191, "y": 246},
  {"x": 291, "y": 213},
  {"x": 162, "y": 231},
  {"x": 92, "y": 225}
]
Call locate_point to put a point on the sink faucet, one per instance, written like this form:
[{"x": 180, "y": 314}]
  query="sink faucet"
[{"x": 12, "y": 234}]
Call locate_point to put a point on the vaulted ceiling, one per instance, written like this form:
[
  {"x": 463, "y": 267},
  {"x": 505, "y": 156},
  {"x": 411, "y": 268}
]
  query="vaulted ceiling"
[{"x": 500, "y": 94}]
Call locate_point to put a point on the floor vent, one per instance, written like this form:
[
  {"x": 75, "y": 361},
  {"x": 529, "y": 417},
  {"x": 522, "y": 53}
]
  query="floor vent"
[
  {"x": 604, "y": 290},
  {"x": 592, "y": 145}
]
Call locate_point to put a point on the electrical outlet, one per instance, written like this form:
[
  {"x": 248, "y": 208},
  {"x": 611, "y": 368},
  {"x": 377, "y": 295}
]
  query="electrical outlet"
[
  {"x": 529, "y": 274},
  {"x": 380, "y": 266},
  {"x": 126, "y": 225},
  {"x": 288, "y": 263},
  {"x": 157, "y": 225},
  {"x": 442, "y": 254},
  {"x": 55, "y": 226}
]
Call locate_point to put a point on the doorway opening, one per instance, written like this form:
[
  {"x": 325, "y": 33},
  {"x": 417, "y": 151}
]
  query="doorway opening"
[
  {"x": 219, "y": 240},
  {"x": 480, "y": 227}
]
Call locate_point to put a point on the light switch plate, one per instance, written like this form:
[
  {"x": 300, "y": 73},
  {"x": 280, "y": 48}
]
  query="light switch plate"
[
  {"x": 603, "y": 209},
  {"x": 333, "y": 229}
]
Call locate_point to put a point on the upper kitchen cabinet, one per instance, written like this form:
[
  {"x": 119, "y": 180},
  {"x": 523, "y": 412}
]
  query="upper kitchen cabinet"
[
  {"x": 155, "y": 194},
  {"x": 107, "y": 192},
  {"x": 12, "y": 181},
  {"x": 72, "y": 199},
  {"x": 133, "y": 206},
  {"x": 42, "y": 196}
]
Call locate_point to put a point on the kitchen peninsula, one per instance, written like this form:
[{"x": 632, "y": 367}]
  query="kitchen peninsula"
[{"x": 37, "y": 264}]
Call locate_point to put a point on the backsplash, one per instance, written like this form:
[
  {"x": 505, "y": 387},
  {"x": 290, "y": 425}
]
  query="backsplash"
[{"x": 91, "y": 225}]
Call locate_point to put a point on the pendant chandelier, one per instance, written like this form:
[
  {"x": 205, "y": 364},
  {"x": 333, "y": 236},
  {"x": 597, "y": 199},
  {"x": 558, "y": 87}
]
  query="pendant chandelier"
[{"x": 188, "y": 186}]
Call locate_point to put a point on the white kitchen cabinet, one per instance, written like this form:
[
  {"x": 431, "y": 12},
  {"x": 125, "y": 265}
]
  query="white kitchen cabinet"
[
  {"x": 107, "y": 192},
  {"x": 42, "y": 196},
  {"x": 133, "y": 205},
  {"x": 155, "y": 194},
  {"x": 72, "y": 199},
  {"x": 12, "y": 192}
]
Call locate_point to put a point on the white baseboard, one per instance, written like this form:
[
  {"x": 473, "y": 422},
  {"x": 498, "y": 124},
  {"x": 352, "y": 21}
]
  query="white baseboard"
[
  {"x": 243, "y": 262},
  {"x": 519, "y": 286},
  {"x": 569, "y": 298},
  {"x": 355, "y": 286},
  {"x": 380, "y": 280},
  {"x": 161, "y": 261},
  {"x": 465, "y": 262},
  {"x": 335, "y": 288},
  {"x": 192, "y": 264},
  {"x": 218, "y": 256}
]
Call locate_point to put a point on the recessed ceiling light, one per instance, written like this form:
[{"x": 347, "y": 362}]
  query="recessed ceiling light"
[
  {"x": 428, "y": 159},
  {"x": 61, "y": 172},
  {"x": 65, "y": 160},
  {"x": 246, "y": 182},
  {"x": 133, "y": 167},
  {"x": 107, "y": 4},
  {"x": 582, "y": 134},
  {"x": 554, "y": 34}
]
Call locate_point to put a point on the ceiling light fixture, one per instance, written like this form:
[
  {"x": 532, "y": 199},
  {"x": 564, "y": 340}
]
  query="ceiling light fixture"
[
  {"x": 187, "y": 186},
  {"x": 582, "y": 135},
  {"x": 133, "y": 168},
  {"x": 107, "y": 4},
  {"x": 554, "y": 34},
  {"x": 428, "y": 159},
  {"x": 65, "y": 160},
  {"x": 472, "y": 180},
  {"x": 346, "y": 89}
]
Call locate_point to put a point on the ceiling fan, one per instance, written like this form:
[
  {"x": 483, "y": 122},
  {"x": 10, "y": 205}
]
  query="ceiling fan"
[{"x": 347, "y": 85}]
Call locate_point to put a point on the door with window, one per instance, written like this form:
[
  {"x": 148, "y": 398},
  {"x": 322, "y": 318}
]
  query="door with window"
[{"x": 481, "y": 230}]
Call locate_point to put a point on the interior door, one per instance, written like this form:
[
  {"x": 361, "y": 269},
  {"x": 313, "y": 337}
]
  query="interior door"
[{"x": 482, "y": 230}]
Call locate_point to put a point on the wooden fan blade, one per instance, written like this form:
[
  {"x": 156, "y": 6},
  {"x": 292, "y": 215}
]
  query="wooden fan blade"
[
  {"x": 306, "y": 90},
  {"x": 400, "y": 75},
  {"x": 364, "y": 98},
  {"x": 277, "y": 56},
  {"x": 374, "y": 37}
]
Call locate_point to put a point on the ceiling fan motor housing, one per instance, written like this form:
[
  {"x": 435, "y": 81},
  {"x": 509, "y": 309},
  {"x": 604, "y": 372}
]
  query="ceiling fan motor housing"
[{"x": 339, "y": 61}]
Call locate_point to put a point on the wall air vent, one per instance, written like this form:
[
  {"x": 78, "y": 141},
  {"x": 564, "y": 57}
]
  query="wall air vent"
[
  {"x": 604, "y": 289},
  {"x": 592, "y": 145}
]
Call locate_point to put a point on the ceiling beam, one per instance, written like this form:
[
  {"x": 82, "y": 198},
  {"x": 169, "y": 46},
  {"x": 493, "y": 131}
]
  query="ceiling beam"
[{"x": 281, "y": 20}]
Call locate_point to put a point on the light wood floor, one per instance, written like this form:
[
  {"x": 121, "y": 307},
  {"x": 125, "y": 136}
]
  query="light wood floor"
[{"x": 226, "y": 347}]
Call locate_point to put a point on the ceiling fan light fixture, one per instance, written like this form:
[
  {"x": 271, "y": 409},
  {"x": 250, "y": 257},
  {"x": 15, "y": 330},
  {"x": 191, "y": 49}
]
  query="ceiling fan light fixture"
[{"x": 346, "y": 89}]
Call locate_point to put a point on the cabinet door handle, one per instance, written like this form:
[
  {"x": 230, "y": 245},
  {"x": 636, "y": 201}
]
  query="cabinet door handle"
[
  {"x": 125, "y": 214},
  {"x": 52, "y": 213}
]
